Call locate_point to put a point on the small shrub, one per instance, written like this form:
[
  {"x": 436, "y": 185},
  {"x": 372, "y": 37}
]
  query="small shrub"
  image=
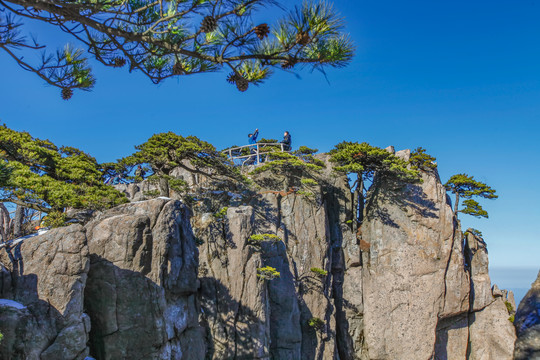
[
  {"x": 221, "y": 213},
  {"x": 151, "y": 193},
  {"x": 304, "y": 150},
  {"x": 511, "y": 318},
  {"x": 267, "y": 273},
  {"x": 475, "y": 232},
  {"x": 258, "y": 238},
  {"x": 1, "y": 337},
  {"x": 421, "y": 160},
  {"x": 55, "y": 219},
  {"x": 309, "y": 182},
  {"x": 305, "y": 193},
  {"x": 509, "y": 307},
  {"x": 320, "y": 272},
  {"x": 316, "y": 323},
  {"x": 348, "y": 222}
]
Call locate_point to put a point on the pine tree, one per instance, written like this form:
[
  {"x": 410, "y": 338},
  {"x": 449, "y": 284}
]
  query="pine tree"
[
  {"x": 169, "y": 38},
  {"x": 50, "y": 179},
  {"x": 166, "y": 151},
  {"x": 364, "y": 160},
  {"x": 465, "y": 186}
]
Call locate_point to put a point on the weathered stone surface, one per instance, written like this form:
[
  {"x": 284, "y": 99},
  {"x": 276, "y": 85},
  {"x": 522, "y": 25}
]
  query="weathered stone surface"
[
  {"x": 142, "y": 282},
  {"x": 276, "y": 312},
  {"x": 48, "y": 280},
  {"x": 410, "y": 232},
  {"x": 491, "y": 334},
  {"x": 527, "y": 323},
  {"x": 477, "y": 258}
]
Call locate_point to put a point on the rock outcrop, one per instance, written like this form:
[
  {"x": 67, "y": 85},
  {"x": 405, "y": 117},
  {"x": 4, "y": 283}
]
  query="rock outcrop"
[
  {"x": 45, "y": 283},
  {"x": 133, "y": 270},
  {"x": 155, "y": 280},
  {"x": 527, "y": 322}
]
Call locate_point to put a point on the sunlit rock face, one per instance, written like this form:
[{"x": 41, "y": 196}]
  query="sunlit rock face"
[{"x": 156, "y": 279}]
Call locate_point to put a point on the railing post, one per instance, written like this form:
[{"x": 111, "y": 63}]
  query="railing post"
[
  {"x": 230, "y": 154},
  {"x": 257, "y": 153},
  {"x": 281, "y": 147}
]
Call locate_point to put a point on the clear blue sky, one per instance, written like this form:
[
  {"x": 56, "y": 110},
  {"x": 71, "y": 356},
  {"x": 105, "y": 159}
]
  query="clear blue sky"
[{"x": 459, "y": 78}]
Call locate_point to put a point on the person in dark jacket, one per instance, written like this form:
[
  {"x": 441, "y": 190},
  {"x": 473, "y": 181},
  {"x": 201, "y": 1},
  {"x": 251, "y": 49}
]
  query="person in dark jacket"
[{"x": 287, "y": 142}]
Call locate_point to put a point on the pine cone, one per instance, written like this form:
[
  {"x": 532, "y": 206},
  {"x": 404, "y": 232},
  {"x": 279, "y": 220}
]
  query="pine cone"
[
  {"x": 242, "y": 84},
  {"x": 177, "y": 69},
  {"x": 67, "y": 93},
  {"x": 303, "y": 38},
  {"x": 231, "y": 79},
  {"x": 262, "y": 31},
  {"x": 209, "y": 24},
  {"x": 288, "y": 64},
  {"x": 118, "y": 62}
]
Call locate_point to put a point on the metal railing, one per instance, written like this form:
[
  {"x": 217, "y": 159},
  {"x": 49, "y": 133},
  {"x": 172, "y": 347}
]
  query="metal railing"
[{"x": 257, "y": 151}]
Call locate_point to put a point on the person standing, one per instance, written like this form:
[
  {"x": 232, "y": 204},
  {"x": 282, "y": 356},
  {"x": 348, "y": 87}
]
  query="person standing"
[
  {"x": 252, "y": 139},
  {"x": 287, "y": 141}
]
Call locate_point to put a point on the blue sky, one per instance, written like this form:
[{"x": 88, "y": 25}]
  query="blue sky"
[{"x": 460, "y": 78}]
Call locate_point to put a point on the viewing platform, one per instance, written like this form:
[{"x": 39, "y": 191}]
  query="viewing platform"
[{"x": 253, "y": 154}]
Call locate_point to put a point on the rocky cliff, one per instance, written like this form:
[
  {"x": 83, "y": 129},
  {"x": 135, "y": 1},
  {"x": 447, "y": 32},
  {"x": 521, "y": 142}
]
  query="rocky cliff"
[
  {"x": 155, "y": 280},
  {"x": 527, "y": 321}
]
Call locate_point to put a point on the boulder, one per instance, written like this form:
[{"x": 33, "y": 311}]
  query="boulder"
[
  {"x": 43, "y": 316},
  {"x": 141, "y": 287}
]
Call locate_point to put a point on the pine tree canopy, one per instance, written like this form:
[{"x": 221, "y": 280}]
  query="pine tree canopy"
[
  {"x": 5, "y": 173},
  {"x": 166, "y": 151},
  {"x": 465, "y": 186},
  {"x": 422, "y": 160},
  {"x": 164, "y": 38},
  {"x": 49, "y": 179},
  {"x": 364, "y": 159}
]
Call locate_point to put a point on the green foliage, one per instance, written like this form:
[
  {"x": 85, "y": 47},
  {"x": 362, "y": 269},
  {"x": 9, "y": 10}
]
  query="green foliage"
[
  {"x": 286, "y": 163},
  {"x": 166, "y": 151},
  {"x": 47, "y": 178},
  {"x": 1, "y": 337},
  {"x": 267, "y": 273},
  {"x": 512, "y": 318},
  {"x": 475, "y": 232},
  {"x": 421, "y": 160},
  {"x": 465, "y": 186},
  {"x": 472, "y": 207},
  {"x": 509, "y": 307},
  {"x": 305, "y": 193},
  {"x": 151, "y": 193},
  {"x": 176, "y": 38},
  {"x": 221, "y": 214},
  {"x": 268, "y": 141},
  {"x": 258, "y": 238},
  {"x": 316, "y": 323},
  {"x": 320, "y": 272},
  {"x": 309, "y": 182},
  {"x": 365, "y": 160},
  {"x": 304, "y": 150},
  {"x": 5, "y": 174},
  {"x": 55, "y": 219}
]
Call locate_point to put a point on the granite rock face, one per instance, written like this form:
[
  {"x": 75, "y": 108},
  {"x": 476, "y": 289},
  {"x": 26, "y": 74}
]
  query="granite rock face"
[
  {"x": 45, "y": 318},
  {"x": 155, "y": 280},
  {"x": 527, "y": 322},
  {"x": 141, "y": 287},
  {"x": 133, "y": 270}
]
